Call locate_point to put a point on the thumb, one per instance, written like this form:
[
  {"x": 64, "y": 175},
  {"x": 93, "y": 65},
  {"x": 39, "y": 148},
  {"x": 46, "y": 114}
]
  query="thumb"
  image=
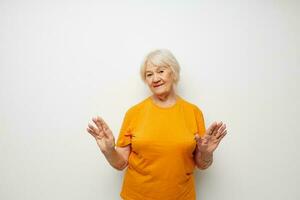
[{"x": 197, "y": 137}]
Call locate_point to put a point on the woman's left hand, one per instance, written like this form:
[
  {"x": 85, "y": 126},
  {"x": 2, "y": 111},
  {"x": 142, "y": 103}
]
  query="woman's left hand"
[{"x": 213, "y": 136}]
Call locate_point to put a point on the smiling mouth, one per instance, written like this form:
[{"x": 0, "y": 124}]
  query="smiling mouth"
[{"x": 155, "y": 86}]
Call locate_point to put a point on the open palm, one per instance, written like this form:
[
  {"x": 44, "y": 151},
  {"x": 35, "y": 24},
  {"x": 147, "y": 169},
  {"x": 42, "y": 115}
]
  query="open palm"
[
  {"x": 212, "y": 138},
  {"x": 103, "y": 135}
]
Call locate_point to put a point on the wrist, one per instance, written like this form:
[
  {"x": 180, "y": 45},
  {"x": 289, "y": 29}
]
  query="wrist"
[{"x": 109, "y": 152}]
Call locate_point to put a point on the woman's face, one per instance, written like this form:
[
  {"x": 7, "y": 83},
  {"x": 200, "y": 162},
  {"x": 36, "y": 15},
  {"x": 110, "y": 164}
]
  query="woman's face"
[{"x": 159, "y": 79}]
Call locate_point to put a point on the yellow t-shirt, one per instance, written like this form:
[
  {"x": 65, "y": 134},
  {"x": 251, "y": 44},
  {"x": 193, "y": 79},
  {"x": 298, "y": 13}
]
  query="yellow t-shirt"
[{"x": 161, "y": 164}]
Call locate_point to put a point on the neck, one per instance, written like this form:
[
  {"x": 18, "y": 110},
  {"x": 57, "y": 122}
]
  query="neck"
[{"x": 165, "y": 99}]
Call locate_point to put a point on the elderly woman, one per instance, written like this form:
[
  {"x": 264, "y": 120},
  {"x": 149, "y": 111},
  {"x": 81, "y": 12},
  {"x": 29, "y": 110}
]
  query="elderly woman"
[{"x": 162, "y": 138}]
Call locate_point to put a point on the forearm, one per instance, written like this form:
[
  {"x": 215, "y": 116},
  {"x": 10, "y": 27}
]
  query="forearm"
[
  {"x": 203, "y": 160},
  {"x": 115, "y": 159}
]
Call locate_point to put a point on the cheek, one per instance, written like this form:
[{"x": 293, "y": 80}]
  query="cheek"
[
  {"x": 147, "y": 81},
  {"x": 149, "y": 84},
  {"x": 169, "y": 77}
]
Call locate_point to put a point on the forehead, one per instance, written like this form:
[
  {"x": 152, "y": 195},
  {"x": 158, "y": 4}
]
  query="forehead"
[{"x": 151, "y": 67}]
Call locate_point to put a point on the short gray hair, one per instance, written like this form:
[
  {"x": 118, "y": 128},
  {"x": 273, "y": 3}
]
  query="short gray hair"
[{"x": 161, "y": 57}]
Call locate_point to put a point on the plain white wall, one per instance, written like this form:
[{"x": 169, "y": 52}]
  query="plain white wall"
[{"x": 62, "y": 62}]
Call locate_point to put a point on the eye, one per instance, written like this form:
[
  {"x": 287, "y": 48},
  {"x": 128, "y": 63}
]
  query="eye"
[
  {"x": 161, "y": 71},
  {"x": 148, "y": 75}
]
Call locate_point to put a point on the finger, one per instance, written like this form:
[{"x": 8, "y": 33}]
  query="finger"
[
  {"x": 104, "y": 126},
  {"x": 96, "y": 136},
  {"x": 91, "y": 132},
  {"x": 95, "y": 130},
  {"x": 211, "y": 128},
  {"x": 217, "y": 128},
  {"x": 221, "y": 130},
  {"x": 222, "y": 135},
  {"x": 98, "y": 124},
  {"x": 198, "y": 138}
]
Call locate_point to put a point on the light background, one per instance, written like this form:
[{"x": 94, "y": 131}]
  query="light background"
[{"x": 63, "y": 62}]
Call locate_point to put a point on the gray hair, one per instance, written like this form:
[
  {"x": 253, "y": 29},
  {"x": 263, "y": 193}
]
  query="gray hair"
[{"x": 161, "y": 57}]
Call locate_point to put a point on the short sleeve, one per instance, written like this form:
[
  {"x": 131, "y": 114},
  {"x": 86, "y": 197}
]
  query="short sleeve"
[
  {"x": 125, "y": 134},
  {"x": 200, "y": 121}
]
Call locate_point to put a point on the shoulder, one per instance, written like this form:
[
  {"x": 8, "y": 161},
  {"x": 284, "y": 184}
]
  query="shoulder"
[
  {"x": 137, "y": 108},
  {"x": 190, "y": 106},
  {"x": 194, "y": 117}
]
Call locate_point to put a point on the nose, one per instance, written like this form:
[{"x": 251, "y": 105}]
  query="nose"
[{"x": 156, "y": 78}]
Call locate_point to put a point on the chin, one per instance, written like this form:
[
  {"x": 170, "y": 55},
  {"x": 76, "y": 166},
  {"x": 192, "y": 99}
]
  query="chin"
[{"x": 160, "y": 91}]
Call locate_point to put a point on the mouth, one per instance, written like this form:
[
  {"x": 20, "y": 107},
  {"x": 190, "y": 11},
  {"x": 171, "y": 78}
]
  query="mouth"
[{"x": 155, "y": 86}]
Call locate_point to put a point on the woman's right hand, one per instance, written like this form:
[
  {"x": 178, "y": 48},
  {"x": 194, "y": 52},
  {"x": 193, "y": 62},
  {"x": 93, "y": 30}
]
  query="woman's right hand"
[{"x": 103, "y": 135}]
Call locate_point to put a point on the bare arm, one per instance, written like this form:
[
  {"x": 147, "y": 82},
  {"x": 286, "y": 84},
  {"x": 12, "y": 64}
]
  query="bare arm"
[
  {"x": 116, "y": 156},
  {"x": 207, "y": 144}
]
